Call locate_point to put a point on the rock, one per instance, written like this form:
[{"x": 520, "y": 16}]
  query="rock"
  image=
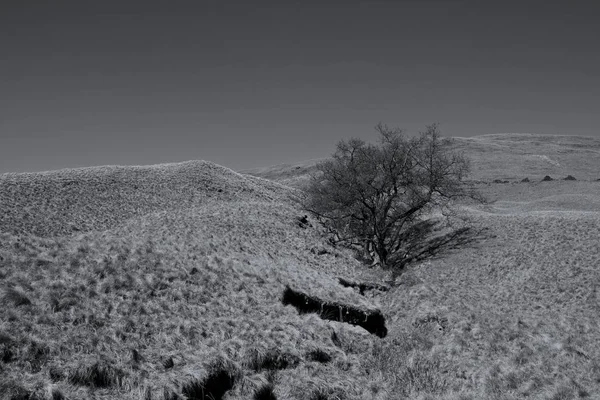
[
  {"x": 547, "y": 179},
  {"x": 525, "y": 180},
  {"x": 570, "y": 178}
]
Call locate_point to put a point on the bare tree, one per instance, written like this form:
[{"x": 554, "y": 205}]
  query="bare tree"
[{"x": 381, "y": 197}]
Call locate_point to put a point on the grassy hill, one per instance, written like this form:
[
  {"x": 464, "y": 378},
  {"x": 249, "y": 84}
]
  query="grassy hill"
[
  {"x": 510, "y": 156},
  {"x": 167, "y": 282},
  {"x": 97, "y": 198}
]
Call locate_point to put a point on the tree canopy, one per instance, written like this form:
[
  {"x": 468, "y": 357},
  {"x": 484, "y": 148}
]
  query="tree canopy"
[{"x": 381, "y": 197}]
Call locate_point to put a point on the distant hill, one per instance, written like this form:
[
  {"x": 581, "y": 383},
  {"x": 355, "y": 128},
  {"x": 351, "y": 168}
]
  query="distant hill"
[
  {"x": 294, "y": 174},
  {"x": 511, "y": 156}
]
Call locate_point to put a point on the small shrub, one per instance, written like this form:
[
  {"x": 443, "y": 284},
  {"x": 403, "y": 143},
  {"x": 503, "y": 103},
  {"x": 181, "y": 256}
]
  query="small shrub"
[
  {"x": 570, "y": 178},
  {"x": 547, "y": 178}
]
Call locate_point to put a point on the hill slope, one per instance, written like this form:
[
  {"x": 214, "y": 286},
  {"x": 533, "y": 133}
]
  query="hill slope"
[
  {"x": 96, "y": 198},
  {"x": 176, "y": 277},
  {"x": 174, "y": 287}
]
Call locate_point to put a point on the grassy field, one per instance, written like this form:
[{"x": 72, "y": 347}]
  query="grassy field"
[{"x": 166, "y": 282}]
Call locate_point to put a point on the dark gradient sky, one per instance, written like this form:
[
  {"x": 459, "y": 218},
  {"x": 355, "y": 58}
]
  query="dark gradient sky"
[{"x": 255, "y": 83}]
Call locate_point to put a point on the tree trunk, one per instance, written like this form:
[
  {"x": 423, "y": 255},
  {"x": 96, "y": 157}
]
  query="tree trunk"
[{"x": 382, "y": 254}]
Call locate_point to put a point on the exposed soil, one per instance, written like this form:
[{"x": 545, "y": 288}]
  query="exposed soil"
[{"x": 373, "y": 321}]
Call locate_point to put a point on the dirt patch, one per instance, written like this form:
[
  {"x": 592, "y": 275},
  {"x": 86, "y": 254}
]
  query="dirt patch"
[{"x": 372, "y": 321}]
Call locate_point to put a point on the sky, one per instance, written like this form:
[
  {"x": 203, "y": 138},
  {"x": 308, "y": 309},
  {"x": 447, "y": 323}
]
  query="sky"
[{"x": 256, "y": 83}]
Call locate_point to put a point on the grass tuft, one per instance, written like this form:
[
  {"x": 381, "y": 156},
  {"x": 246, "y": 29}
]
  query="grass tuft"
[
  {"x": 170, "y": 395},
  {"x": 319, "y": 395},
  {"x": 423, "y": 375},
  {"x": 6, "y": 354},
  {"x": 168, "y": 363},
  {"x": 318, "y": 355},
  {"x": 272, "y": 360},
  {"x": 55, "y": 374},
  {"x": 58, "y": 395},
  {"x": 16, "y": 297},
  {"x": 98, "y": 376},
  {"x": 37, "y": 355},
  {"x": 11, "y": 390}
]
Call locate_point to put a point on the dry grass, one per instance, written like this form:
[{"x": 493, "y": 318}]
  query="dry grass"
[
  {"x": 145, "y": 308},
  {"x": 175, "y": 286}
]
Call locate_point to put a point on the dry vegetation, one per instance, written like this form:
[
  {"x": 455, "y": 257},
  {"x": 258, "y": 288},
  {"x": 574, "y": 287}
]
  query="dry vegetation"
[{"x": 166, "y": 282}]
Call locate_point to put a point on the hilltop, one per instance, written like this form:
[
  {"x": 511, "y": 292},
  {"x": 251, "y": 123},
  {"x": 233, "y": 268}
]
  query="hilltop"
[
  {"x": 96, "y": 198},
  {"x": 154, "y": 282}
]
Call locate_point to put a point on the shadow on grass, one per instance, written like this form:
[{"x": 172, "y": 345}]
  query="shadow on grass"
[
  {"x": 214, "y": 387},
  {"x": 319, "y": 356},
  {"x": 97, "y": 376},
  {"x": 265, "y": 393},
  {"x": 372, "y": 321}
]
